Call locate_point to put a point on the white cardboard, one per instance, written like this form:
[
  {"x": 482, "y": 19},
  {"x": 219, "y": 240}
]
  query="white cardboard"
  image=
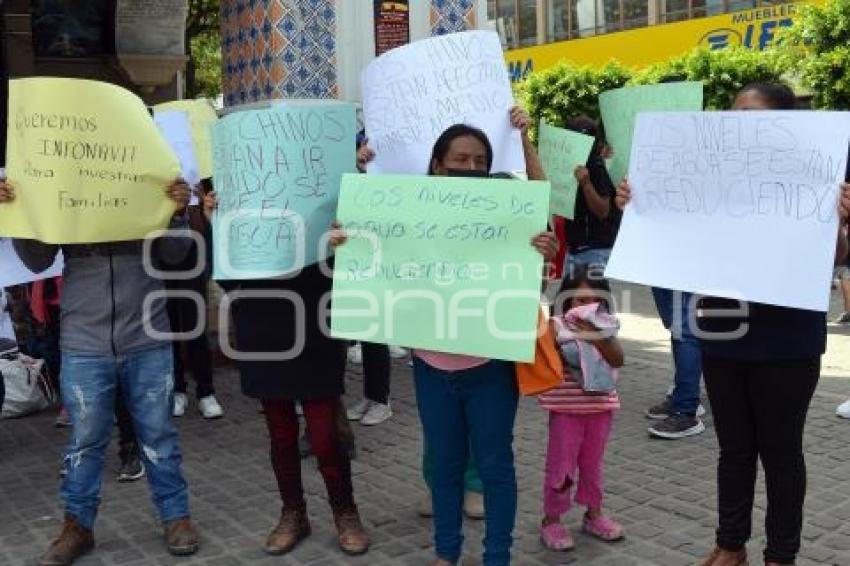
[
  {"x": 177, "y": 131},
  {"x": 413, "y": 93},
  {"x": 735, "y": 204}
]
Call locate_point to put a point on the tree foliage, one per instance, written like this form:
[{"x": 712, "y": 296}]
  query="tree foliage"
[
  {"x": 565, "y": 91},
  {"x": 203, "y": 44},
  {"x": 722, "y": 72},
  {"x": 818, "y": 47}
]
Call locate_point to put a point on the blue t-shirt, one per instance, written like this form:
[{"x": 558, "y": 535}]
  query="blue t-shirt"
[{"x": 775, "y": 333}]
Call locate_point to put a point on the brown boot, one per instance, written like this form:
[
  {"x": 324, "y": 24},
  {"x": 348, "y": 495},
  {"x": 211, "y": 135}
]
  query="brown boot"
[
  {"x": 353, "y": 539},
  {"x": 181, "y": 537},
  {"x": 292, "y": 528},
  {"x": 722, "y": 557},
  {"x": 73, "y": 542}
]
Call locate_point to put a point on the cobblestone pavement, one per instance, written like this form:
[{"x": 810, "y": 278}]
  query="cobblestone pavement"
[{"x": 662, "y": 491}]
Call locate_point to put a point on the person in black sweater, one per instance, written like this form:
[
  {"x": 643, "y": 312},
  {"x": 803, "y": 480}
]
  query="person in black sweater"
[{"x": 593, "y": 229}]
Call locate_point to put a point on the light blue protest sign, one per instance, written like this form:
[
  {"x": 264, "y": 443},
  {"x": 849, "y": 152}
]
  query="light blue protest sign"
[{"x": 277, "y": 173}]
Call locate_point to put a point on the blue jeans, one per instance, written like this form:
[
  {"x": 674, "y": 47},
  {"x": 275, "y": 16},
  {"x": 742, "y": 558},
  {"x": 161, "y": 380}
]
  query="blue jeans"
[
  {"x": 596, "y": 258},
  {"x": 88, "y": 386},
  {"x": 471, "y": 481},
  {"x": 674, "y": 308},
  {"x": 471, "y": 408}
]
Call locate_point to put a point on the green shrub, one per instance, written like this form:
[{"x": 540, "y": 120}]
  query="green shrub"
[
  {"x": 818, "y": 48},
  {"x": 722, "y": 72},
  {"x": 565, "y": 91}
]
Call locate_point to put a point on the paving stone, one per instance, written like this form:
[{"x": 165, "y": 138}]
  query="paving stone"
[{"x": 663, "y": 492}]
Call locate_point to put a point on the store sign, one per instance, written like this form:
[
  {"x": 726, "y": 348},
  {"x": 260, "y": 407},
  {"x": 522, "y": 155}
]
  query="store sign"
[
  {"x": 392, "y": 25},
  {"x": 754, "y": 29}
]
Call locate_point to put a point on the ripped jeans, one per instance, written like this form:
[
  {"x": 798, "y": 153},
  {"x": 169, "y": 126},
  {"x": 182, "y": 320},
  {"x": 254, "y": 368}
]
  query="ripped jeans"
[
  {"x": 88, "y": 383},
  {"x": 574, "y": 461}
]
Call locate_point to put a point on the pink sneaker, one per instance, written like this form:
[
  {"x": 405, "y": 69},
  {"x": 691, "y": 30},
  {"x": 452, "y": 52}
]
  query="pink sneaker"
[
  {"x": 555, "y": 536},
  {"x": 604, "y": 528}
]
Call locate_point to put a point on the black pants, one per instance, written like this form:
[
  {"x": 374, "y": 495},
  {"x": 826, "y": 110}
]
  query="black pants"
[
  {"x": 759, "y": 413},
  {"x": 376, "y": 372},
  {"x": 183, "y": 314}
]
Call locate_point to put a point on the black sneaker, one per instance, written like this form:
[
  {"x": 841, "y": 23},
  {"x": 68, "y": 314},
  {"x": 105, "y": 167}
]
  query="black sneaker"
[
  {"x": 677, "y": 426},
  {"x": 131, "y": 469},
  {"x": 660, "y": 411}
]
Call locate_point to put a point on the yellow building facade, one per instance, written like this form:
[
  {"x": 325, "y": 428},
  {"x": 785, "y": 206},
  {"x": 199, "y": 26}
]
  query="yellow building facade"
[{"x": 755, "y": 28}]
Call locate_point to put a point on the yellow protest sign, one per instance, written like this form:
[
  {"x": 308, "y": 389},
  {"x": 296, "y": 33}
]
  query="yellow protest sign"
[
  {"x": 201, "y": 117},
  {"x": 87, "y": 162}
]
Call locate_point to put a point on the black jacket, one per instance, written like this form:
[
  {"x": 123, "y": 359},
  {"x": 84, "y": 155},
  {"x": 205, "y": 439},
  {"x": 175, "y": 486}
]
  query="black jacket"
[{"x": 585, "y": 231}]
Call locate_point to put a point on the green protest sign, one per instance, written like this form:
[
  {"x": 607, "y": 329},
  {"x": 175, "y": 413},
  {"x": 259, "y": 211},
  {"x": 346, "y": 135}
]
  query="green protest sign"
[
  {"x": 620, "y": 107},
  {"x": 561, "y": 151},
  {"x": 440, "y": 263},
  {"x": 277, "y": 172}
]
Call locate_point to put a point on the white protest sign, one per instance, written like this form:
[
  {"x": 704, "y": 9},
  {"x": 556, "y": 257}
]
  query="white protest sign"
[
  {"x": 177, "y": 131},
  {"x": 14, "y": 272},
  {"x": 413, "y": 93},
  {"x": 735, "y": 204}
]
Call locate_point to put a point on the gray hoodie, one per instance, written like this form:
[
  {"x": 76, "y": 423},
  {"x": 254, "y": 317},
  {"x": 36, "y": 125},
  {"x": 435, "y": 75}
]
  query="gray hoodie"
[{"x": 104, "y": 291}]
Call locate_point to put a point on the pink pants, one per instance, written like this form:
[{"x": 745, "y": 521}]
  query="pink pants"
[{"x": 576, "y": 448}]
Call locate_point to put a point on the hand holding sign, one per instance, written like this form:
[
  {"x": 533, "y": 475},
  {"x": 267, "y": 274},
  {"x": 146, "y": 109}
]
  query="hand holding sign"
[
  {"x": 7, "y": 193},
  {"x": 844, "y": 202}
]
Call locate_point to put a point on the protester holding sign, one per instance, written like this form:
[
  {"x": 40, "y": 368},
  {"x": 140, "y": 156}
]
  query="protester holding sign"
[
  {"x": 593, "y": 229},
  {"x": 297, "y": 361},
  {"x": 467, "y": 401},
  {"x": 104, "y": 344},
  {"x": 761, "y": 367}
]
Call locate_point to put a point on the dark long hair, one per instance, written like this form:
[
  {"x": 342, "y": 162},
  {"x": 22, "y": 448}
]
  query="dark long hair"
[
  {"x": 444, "y": 142},
  {"x": 778, "y": 95},
  {"x": 586, "y": 125},
  {"x": 583, "y": 275}
]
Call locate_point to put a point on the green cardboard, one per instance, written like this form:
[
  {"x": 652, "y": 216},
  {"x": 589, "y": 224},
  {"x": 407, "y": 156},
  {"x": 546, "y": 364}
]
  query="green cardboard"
[
  {"x": 439, "y": 263},
  {"x": 561, "y": 151},
  {"x": 620, "y": 107},
  {"x": 277, "y": 172}
]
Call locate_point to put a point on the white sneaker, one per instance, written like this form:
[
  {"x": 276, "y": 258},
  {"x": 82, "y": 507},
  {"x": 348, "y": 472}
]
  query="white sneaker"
[
  {"x": 844, "y": 410},
  {"x": 397, "y": 352},
  {"x": 209, "y": 407},
  {"x": 356, "y": 412},
  {"x": 355, "y": 354},
  {"x": 181, "y": 401},
  {"x": 376, "y": 414}
]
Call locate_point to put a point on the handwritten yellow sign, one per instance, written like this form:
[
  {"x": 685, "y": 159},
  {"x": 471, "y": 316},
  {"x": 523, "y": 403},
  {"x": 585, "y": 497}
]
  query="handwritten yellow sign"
[
  {"x": 87, "y": 162},
  {"x": 202, "y": 116}
]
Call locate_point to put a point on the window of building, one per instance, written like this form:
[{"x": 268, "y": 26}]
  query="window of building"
[
  {"x": 635, "y": 14},
  {"x": 72, "y": 28},
  {"x": 562, "y": 20},
  {"x": 516, "y": 19},
  {"x": 527, "y": 22}
]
